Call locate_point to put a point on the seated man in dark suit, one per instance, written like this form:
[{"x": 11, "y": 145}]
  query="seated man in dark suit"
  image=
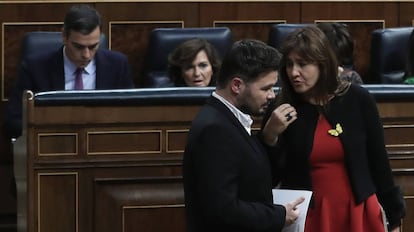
[{"x": 78, "y": 64}]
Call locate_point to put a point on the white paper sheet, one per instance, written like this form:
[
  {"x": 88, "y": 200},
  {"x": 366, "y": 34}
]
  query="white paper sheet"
[{"x": 283, "y": 196}]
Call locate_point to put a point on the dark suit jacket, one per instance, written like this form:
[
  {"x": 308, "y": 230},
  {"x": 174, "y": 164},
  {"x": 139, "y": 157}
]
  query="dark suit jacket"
[
  {"x": 46, "y": 73},
  {"x": 227, "y": 176},
  {"x": 366, "y": 158}
]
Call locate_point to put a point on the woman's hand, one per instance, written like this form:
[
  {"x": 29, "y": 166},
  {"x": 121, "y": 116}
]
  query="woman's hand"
[
  {"x": 397, "y": 229},
  {"x": 278, "y": 121}
]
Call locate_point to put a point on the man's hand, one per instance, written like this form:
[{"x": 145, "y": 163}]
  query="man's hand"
[{"x": 292, "y": 211}]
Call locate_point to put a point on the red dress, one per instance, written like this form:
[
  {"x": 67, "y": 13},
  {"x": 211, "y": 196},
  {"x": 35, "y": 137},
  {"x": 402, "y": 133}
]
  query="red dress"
[{"x": 334, "y": 205}]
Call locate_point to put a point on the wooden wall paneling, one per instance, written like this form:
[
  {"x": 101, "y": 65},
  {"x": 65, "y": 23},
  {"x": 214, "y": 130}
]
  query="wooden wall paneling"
[
  {"x": 176, "y": 140},
  {"x": 57, "y": 144},
  {"x": 110, "y": 191},
  {"x": 13, "y": 33},
  {"x": 49, "y": 117},
  {"x": 132, "y": 205},
  {"x": 172, "y": 217},
  {"x": 405, "y": 179},
  {"x": 124, "y": 142},
  {"x": 398, "y": 123},
  {"x": 387, "y": 11},
  {"x": 131, "y": 38},
  {"x": 243, "y": 19},
  {"x": 150, "y": 11},
  {"x": 249, "y": 29},
  {"x": 398, "y": 138},
  {"x": 248, "y": 11},
  {"x": 361, "y": 31},
  {"x": 57, "y": 202},
  {"x": 123, "y": 191},
  {"x": 407, "y": 224},
  {"x": 355, "y": 11},
  {"x": 16, "y": 19},
  {"x": 406, "y": 15},
  {"x": 36, "y": 11}
]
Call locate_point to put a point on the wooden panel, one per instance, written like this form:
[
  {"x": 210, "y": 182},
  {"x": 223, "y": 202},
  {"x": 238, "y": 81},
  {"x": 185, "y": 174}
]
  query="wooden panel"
[
  {"x": 406, "y": 180},
  {"x": 172, "y": 217},
  {"x": 365, "y": 17},
  {"x": 245, "y": 29},
  {"x": 406, "y": 16},
  {"x": 12, "y": 36},
  {"x": 151, "y": 11},
  {"x": 394, "y": 111},
  {"x": 387, "y": 11},
  {"x": 123, "y": 32},
  {"x": 137, "y": 202},
  {"x": 57, "y": 144},
  {"x": 407, "y": 224},
  {"x": 124, "y": 142},
  {"x": 131, "y": 192},
  {"x": 399, "y": 135},
  {"x": 176, "y": 140},
  {"x": 248, "y": 11},
  {"x": 244, "y": 22},
  {"x": 50, "y": 116},
  {"x": 57, "y": 202}
]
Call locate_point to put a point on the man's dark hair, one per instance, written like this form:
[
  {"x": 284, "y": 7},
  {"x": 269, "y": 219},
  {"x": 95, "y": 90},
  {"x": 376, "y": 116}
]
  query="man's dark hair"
[
  {"x": 248, "y": 59},
  {"x": 82, "y": 18}
]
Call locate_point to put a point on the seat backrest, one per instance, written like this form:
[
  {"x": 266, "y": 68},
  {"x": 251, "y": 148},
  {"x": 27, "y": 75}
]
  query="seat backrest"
[
  {"x": 37, "y": 42},
  {"x": 279, "y": 32},
  {"x": 162, "y": 41},
  {"x": 388, "y": 54}
]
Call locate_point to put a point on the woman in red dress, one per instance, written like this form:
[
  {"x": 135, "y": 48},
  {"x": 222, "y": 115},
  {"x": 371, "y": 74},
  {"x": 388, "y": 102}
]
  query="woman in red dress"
[{"x": 326, "y": 135}]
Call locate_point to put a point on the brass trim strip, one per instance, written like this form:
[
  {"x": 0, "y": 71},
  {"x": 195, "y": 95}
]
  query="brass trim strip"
[
  {"x": 400, "y": 145},
  {"x": 152, "y": 206},
  {"x": 352, "y": 21},
  {"x": 247, "y": 21},
  {"x": 398, "y": 126}
]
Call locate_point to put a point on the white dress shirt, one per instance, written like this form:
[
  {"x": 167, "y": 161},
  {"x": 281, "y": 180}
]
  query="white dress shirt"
[
  {"x": 88, "y": 74},
  {"x": 243, "y": 118}
]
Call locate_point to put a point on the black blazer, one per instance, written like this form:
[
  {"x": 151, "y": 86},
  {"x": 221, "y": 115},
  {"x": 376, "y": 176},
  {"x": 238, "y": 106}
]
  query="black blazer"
[
  {"x": 227, "y": 176},
  {"x": 46, "y": 73},
  {"x": 366, "y": 158}
]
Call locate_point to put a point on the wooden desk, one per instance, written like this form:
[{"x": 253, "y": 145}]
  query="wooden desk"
[{"x": 111, "y": 160}]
